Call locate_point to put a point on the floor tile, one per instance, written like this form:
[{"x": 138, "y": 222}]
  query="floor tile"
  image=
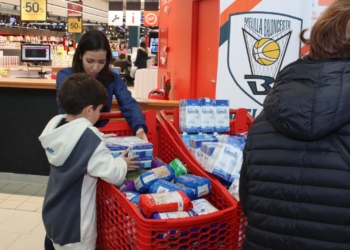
[
  {"x": 40, "y": 209},
  {"x": 40, "y": 193},
  {"x": 37, "y": 199},
  {"x": 28, "y": 242},
  {"x": 3, "y": 183},
  {"x": 8, "y": 238},
  {"x": 9, "y": 204},
  {"x": 18, "y": 197},
  {"x": 5, "y": 214},
  {"x": 39, "y": 230},
  {"x": 21, "y": 222},
  {"x": 29, "y": 206},
  {"x": 12, "y": 188},
  {"x": 30, "y": 189},
  {"x": 4, "y": 196}
]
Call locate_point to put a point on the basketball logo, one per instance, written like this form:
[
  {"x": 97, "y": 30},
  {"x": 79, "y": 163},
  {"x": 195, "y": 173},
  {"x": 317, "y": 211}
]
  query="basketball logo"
[{"x": 266, "y": 51}]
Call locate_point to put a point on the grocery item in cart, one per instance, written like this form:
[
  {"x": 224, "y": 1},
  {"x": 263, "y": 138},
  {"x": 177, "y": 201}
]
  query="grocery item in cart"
[
  {"x": 145, "y": 180},
  {"x": 207, "y": 149},
  {"x": 207, "y": 113},
  {"x": 227, "y": 158},
  {"x": 164, "y": 202},
  {"x": 174, "y": 215},
  {"x": 162, "y": 186},
  {"x": 128, "y": 185},
  {"x": 134, "y": 197},
  {"x": 200, "y": 185},
  {"x": 196, "y": 144},
  {"x": 202, "y": 206},
  {"x": 178, "y": 167},
  {"x": 156, "y": 162},
  {"x": 190, "y": 118},
  {"x": 187, "y": 137},
  {"x": 222, "y": 116}
]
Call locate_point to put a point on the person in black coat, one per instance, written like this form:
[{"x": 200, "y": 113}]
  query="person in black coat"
[
  {"x": 142, "y": 56},
  {"x": 295, "y": 177}
]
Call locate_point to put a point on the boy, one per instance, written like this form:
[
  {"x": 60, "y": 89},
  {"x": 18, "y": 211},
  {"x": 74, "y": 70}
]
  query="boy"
[{"x": 78, "y": 157}]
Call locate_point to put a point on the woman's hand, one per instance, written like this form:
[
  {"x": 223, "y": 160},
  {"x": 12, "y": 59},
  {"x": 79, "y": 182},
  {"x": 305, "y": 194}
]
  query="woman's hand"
[
  {"x": 140, "y": 133},
  {"x": 131, "y": 164}
]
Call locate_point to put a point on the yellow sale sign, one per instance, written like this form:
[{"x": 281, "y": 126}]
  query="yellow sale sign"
[
  {"x": 75, "y": 25},
  {"x": 33, "y": 10}
]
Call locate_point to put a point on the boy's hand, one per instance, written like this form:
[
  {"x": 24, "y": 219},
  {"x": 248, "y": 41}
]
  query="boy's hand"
[
  {"x": 140, "y": 133},
  {"x": 131, "y": 164}
]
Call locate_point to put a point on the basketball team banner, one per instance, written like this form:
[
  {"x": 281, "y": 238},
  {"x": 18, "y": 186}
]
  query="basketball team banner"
[{"x": 258, "y": 38}]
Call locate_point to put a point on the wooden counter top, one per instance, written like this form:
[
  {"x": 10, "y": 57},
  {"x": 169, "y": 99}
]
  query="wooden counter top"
[{"x": 27, "y": 83}]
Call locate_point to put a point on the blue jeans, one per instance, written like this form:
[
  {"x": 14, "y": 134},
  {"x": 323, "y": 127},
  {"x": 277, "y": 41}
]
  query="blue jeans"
[{"x": 48, "y": 244}]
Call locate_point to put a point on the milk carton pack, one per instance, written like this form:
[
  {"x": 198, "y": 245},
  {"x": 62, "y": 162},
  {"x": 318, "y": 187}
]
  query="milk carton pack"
[
  {"x": 196, "y": 144},
  {"x": 136, "y": 146},
  {"x": 222, "y": 116},
  {"x": 207, "y": 114},
  {"x": 207, "y": 149},
  {"x": 190, "y": 119},
  {"x": 227, "y": 157},
  {"x": 187, "y": 137}
]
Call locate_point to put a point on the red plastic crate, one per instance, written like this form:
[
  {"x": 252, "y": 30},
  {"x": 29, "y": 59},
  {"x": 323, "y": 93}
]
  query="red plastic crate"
[
  {"x": 241, "y": 123},
  {"x": 121, "y": 226}
]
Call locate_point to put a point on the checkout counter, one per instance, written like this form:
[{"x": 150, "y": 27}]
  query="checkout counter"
[{"x": 27, "y": 104}]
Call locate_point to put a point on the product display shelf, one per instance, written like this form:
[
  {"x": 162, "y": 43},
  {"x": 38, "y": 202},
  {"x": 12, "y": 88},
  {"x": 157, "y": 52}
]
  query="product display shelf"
[
  {"x": 121, "y": 225},
  {"x": 240, "y": 122}
]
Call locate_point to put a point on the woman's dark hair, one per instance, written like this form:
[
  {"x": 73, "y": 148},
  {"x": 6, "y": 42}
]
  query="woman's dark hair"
[
  {"x": 79, "y": 91},
  {"x": 330, "y": 36},
  {"x": 120, "y": 45},
  {"x": 121, "y": 56},
  {"x": 91, "y": 41},
  {"x": 143, "y": 45}
]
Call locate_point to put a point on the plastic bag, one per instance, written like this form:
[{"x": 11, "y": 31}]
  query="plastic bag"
[
  {"x": 128, "y": 185},
  {"x": 162, "y": 186}
]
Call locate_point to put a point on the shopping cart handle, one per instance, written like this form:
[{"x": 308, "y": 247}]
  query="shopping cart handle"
[{"x": 110, "y": 115}]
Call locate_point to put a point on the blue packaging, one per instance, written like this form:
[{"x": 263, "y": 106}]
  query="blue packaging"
[
  {"x": 227, "y": 158},
  {"x": 207, "y": 150},
  {"x": 197, "y": 143},
  {"x": 200, "y": 185},
  {"x": 222, "y": 116},
  {"x": 145, "y": 180},
  {"x": 162, "y": 186},
  {"x": 190, "y": 118},
  {"x": 208, "y": 110},
  {"x": 187, "y": 137},
  {"x": 134, "y": 197},
  {"x": 202, "y": 206}
]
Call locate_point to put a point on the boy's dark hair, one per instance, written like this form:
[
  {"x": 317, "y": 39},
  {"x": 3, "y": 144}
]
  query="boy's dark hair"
[
  {"x": 91, "y": 41},
  {"x": 122, "y": 56},
  {"x": 143, "y": 45},
  {"x": 79, "y": 91}
]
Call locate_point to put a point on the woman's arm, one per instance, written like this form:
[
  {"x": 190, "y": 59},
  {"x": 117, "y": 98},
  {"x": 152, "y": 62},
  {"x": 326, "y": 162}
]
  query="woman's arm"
[
  {"x": 61, "y": 76},
  {"x": 128, "y": 106}
]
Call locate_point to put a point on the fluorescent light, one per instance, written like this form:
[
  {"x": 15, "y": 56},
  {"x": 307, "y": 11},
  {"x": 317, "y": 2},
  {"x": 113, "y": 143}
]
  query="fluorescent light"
[
  {"x": 84, "y": 6},
  {"x": 60, "y": 7}
]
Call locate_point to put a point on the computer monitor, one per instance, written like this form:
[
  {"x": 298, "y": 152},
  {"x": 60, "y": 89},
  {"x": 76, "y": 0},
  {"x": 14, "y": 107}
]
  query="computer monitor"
[
  {"x": 115, "y": 54},
  {"x": 35, "y": 53}
]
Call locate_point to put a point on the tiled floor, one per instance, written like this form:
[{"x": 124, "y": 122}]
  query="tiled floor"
[{"x": 21, "y": 225}]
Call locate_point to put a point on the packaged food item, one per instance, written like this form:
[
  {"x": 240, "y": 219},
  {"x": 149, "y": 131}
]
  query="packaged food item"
[
  {"x": 145, "y": 180},
  {"x": 128, "y": 185},
  {"x": 178, "y": 167},
  {"x": 200, "y": 185},
  {"x": 173, "y": 215},
  {"x": 207, "y": 113},
  {"x": 202, "y": 206},
  {"x": 134, "y": 197},
  {"x": 164, "y": 202},
  {"x": 134, "y": 174},
  {"x": 162, "y": 186},
  {"x": 156, "y": 162}
]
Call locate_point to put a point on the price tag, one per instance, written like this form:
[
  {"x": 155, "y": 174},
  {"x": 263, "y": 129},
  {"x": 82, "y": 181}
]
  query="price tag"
[
  {"x": 33, "y": 10},
  {"x": 75, "y": 25}
]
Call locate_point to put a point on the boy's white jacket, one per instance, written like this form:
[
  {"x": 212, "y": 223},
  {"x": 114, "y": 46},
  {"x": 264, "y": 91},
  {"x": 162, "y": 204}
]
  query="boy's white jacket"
[{"x": 78, "y": 156}]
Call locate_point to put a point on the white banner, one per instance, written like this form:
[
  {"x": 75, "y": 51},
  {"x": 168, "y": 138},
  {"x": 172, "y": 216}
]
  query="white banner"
[
  {"x": 256, "y": 45},
  {"x": 115, "y": 18},
  {"x": 133, "y": 18}
]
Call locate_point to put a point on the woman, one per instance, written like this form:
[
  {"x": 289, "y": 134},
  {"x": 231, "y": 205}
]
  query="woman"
[
  {"x": 122, "y": 49},
  {"x": 93, "y": 56},
  {"x": 141, "y": 57},
  {"x": 295, "y": 177}
]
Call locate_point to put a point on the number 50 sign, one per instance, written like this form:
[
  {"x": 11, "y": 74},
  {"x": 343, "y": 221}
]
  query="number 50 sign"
[{"x": 33, "y": 10}]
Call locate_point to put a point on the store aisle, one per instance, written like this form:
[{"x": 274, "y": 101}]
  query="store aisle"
[{"x": 20, "y": 216}]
